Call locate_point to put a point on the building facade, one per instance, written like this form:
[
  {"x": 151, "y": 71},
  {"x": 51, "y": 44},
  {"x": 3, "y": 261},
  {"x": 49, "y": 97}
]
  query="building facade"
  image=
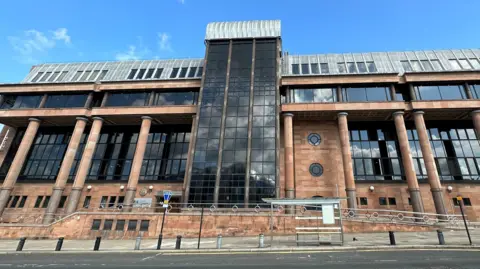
[{"x": 391, "y": 130}]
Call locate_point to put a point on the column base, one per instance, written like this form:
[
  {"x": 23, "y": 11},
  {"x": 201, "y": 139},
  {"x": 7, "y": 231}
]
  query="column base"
[
  {"x": 49, "y": 216},
  {"x": 437, "y": 195},
  {"x": 4, "y": 195},
  {"x": 417, "y": 203},
  {"x": 73, "y": 200},
  {"x": 351, "y": 198},
  {"x": 129, "y": 199},
  {"x": 290, "y": 194}
]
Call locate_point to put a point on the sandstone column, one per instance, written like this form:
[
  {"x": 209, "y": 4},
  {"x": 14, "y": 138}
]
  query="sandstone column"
[
  {"x": 289, "y": 168},
  {"x": 476, "y": 121},
  {"x": 18, "y": 161},
  {"x": 186, "y": 180},
  {"x": 84, "y": 165},
  {"x": 137, "y": 162},
  {"x": 429, "y": 160},
  {"x": 347, "y": 160},
  {"x": 407, "y": 161},
  {"x": 65, "y": 168}
]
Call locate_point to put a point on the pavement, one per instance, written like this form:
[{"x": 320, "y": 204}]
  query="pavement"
[
  {"x": 453, "y": 239},
  {"x": 416, "y": 259}
]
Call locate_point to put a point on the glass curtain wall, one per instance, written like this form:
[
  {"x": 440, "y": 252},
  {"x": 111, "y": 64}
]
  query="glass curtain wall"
[
  {"x": 375, "y": 152},
  {"x": 455, "y": 148},
  {"x": 235, "y": 142},
  {"x": 204, "y": 169},
  {"x": 262, "y": 181}
]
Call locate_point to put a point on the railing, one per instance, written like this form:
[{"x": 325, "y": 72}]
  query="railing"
[
  {"x": 26, "y": 218},
  {"x": 402, "y": 217}
]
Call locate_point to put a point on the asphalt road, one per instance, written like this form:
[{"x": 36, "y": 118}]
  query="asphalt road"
[{"x": 434, "y": 259}]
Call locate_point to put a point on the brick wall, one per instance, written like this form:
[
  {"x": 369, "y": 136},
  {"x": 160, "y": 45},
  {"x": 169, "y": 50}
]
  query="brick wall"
[{"x": 79, "y": 226}]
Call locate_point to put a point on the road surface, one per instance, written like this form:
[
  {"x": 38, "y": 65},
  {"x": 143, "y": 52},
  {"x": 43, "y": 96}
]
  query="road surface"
[{"x": 434, "y": 259}]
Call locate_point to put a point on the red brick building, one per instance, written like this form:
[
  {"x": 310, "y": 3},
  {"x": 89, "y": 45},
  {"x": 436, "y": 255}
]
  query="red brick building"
[{"x": 387, "y": 130}]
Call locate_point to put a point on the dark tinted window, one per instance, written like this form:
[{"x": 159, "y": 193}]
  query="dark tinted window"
[
  {"x": 200, "y": 71},
  {"x": 150, "y": 73},
  {"x": 192, "y": 71},
  {"x": 22, "y": 202},
  {"x": 158, "y": 73},
  {"x": 382, "y": 201},
  {"x": 305, "y": 69},
  {"x": 86, "y": 202},
  {"x": 45, "y": 202},
  {"x": 102, "y": 75},
  {"x": 37, "y": 76},
  {"x": 96, "y": 224},
  {"x": 141, "y": 73},
  {"x": 132, "y": 225},
  {"x": 107, "y": 225},
  {"x": 38, "y": 202},
  {"x": 144, "y": 225},
  {"x": 174, "y": 73},
  {"x": 65, "y": 101},
  {"x": 443, "y": 92},
  {"x": 392, "y": 201},
  {"x": 363, "y": 201},
  {"x": 132, "y": 73},
  {"x": 62, "y": 202},
  {"x": 26, "y": 101},
  {"x": 175, "y": 98},
  {"x": 183, "y": 72},
  {"x": 324, "y": 68},
  {"x": 314, "y": 68},
  {"x": 14, "y": 201},
  {"x": 120, "y": 226},
  {"x": 371, "y": 67},
  {"x": 127, "y": 99},
  {"x": 295, "y": 69}
]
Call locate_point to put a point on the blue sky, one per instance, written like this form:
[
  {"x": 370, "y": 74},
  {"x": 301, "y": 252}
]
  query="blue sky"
[{"x": 34, "y": 32}]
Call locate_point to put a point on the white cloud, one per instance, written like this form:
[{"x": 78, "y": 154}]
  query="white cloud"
[
  {"x": 181, "y": 1},
  {"x": 61, "y": 34},
  {"x": 164, "y": 42},
  {"x": 33, "y": 43},
  {"x": 131, "y": 54},
  {"x": 134, "y": 52}
]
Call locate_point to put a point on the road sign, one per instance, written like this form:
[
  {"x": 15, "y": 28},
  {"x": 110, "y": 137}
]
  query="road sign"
[{"x": 166, "y": 198}]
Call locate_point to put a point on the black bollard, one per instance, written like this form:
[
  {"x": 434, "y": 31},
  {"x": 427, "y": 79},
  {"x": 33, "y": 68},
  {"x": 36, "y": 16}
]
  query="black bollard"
[
  {"x": 59, "y": 244},
  {"x": 159, "y": 243},
  {"x": 97, "y": 243},
  {"x": 21, "y": 243},
  {"x": 179, "y": 241},
  {"x": 441, "y": 239},
  {"x": 392, "y": 238}
]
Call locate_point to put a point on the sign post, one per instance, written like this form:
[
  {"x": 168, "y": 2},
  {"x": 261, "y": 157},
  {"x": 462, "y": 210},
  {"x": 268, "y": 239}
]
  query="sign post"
[
  {"x": 166, "y": 198},
  {"x": 460, "y": 203}
]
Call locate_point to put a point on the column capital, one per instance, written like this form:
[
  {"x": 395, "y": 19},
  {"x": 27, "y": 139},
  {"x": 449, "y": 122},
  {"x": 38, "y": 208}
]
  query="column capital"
[
  {"x": 288, "y": 115},
  {"x": 146, "y": 118},
  {"x": 81, "y": 118},
  {"x": 475, "y": 112},
  {"x": 97, "y": 118},
  {"x": 342, "y": 114},
  {"x": 34, "y": 119},
  {"x": 398, "y": 113},
  {"x": 419, "y": 112}
]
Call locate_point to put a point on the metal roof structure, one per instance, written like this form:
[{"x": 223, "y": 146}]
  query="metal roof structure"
[
  {"x": 243, "y": 29},
  {"x": 115, "y": 71},
  {"x": 382, "y": 62}
]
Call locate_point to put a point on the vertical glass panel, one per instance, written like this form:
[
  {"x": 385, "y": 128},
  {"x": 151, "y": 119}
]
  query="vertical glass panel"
[
  {"x": 362, "y": 68},
  {"x": 295, "y": 69},
  {"x": 428, "y": 93},
  {"x": 351, "y": 67},
  {"x": 371, "y": 67},
  {"x": 451, "y": 92},
  {"x": 376, "y": 94},
  {"x": 341, "y": 68},
  {"x": 314, "y": 68},
  {"x": 355, "y": 94},
  {"x": 305, "y": 69}
]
